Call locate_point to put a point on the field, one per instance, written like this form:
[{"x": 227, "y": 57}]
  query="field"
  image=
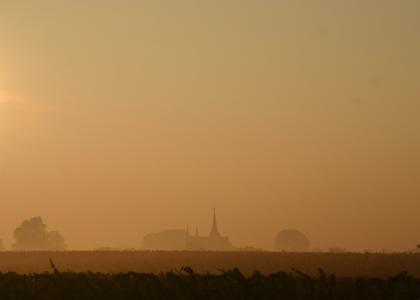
[
  {"x": 208, "y": 275},
  {"x": 342, "y": 265}
]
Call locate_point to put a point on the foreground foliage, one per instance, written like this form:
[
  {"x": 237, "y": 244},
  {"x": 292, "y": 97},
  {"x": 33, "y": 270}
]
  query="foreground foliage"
[{"x": 186, "y": 284}]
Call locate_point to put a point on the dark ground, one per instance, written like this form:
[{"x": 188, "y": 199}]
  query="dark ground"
[{"x": 342, "y": 265}]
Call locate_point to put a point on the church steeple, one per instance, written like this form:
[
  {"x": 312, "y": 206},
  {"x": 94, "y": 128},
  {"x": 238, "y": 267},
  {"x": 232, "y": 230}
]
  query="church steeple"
[{"x": 214, "y": 230}]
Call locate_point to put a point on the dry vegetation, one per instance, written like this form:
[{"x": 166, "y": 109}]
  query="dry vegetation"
[
  {"x": 342, "y": 265},
  {"x": 186, "y": 284},
  {"x": 129, "y": 275}
]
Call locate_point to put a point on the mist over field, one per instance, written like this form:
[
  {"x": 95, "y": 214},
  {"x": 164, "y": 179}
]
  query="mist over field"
[{"x": 124, "y": 122}]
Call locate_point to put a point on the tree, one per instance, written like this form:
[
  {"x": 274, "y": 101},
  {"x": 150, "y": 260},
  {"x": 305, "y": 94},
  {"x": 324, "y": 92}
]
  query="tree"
[
  {"x": 291, "y": 240},
  {"x": 33, "y": 235}
]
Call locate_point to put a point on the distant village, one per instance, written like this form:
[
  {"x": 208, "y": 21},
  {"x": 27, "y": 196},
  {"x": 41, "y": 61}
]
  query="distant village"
[
  {"x": 183, "y": 240},
  {"x": 290, "y": 240}
]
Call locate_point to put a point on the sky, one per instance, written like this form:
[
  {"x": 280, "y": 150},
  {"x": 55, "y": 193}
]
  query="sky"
[{"x": 122, "y": 118}]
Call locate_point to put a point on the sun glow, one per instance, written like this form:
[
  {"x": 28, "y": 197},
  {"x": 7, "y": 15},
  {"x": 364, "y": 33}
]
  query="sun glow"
[
  {"x": 2, "y": 97},
  {"x": 5, "y": 97}
]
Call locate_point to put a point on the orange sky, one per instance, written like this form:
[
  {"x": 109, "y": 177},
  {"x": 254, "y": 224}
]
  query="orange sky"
[{"x": 120, "y": 118}]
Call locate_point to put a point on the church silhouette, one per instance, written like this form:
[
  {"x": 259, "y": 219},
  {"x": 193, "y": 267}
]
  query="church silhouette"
[
  {"x": 213, "y": 242},
  {"x": 181, "y": 239}
]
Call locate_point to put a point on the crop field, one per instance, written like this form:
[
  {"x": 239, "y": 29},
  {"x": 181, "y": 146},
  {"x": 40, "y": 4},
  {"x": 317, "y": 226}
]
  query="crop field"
[
  {"x": 208, "y": 275},
  {"x": 342, "y": 265},
  {"x": 186, "y": 284}
]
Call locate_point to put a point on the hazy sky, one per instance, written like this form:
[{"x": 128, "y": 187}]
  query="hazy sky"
[{"x": 120, "y": 118}]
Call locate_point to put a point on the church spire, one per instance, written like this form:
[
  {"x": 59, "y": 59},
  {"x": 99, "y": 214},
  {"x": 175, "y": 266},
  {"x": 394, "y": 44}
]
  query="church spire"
[{"x": 214, "y": 230}]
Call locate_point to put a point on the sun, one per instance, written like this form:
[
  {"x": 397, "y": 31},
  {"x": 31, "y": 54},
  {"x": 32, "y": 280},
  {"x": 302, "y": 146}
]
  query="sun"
[{"x": 4, "y": 97}]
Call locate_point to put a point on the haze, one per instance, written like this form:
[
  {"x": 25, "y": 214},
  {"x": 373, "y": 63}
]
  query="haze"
[{"x": 121, "y": 118}]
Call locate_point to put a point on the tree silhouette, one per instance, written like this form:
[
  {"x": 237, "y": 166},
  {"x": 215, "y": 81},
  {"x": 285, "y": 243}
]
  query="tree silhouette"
[
  {"x": 33, "y": 235},
  {"x": 291, "y": 240}
]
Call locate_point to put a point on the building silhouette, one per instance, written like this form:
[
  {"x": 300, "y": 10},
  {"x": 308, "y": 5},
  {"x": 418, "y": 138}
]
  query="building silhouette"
[
  {"x": 181, "y": 239},
  {"x": 213, "y": 242}
]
